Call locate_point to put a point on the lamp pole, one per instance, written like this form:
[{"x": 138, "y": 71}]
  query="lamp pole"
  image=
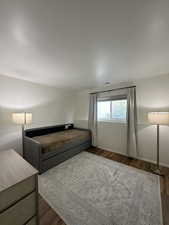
[
  {"x": 23, "y": 133},
  {"x": 158, "y": 146},
  {"x": 23, "y": 140},
  {"x": 157, "y": 170}
]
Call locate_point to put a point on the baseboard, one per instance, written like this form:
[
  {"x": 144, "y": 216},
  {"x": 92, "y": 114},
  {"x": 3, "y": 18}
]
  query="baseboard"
[
  {"x": 141, "y": 158},
  {"x": 152, "y": 161},
  {"x": 110, "y": 150}
]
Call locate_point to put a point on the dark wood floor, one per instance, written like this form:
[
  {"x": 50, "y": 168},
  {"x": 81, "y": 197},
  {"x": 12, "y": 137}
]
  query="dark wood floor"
[{"x": 49, "y": 217}]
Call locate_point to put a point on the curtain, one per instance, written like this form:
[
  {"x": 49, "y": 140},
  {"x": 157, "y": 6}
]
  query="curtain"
[
  {"x": 92, "y": 122},
  {"x": 132, "y": 149},
  {"x": 130, "y": 95}
]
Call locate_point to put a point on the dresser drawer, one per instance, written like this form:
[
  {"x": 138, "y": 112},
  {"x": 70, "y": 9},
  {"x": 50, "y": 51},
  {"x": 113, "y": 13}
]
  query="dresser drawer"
[
  {"x": 32, "y": 221},
  {"x": 19, "y": 213},
  {"x": 16, "y": 192}
]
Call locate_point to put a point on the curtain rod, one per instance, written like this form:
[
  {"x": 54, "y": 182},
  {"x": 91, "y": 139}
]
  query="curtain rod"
[{"x": 114, "y": 89}]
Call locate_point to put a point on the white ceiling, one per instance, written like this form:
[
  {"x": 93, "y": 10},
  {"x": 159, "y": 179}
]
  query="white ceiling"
[{"x": 83, "y": 43}]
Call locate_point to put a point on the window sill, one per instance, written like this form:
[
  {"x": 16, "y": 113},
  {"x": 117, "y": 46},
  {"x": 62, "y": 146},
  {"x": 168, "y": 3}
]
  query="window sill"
[{"x": 112, "y": 121}]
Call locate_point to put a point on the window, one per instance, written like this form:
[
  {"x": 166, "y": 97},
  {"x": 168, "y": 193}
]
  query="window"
[{"x": 112, "y": 110}]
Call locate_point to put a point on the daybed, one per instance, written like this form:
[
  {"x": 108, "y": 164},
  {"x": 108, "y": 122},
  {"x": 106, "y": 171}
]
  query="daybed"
[{"x": 46, "y": 147}]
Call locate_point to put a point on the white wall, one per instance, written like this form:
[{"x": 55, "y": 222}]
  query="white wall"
[
  {"x": 152, "y": 95},
  {"x": 48, "y": 105},
  {"x": 52, "y": 106}
]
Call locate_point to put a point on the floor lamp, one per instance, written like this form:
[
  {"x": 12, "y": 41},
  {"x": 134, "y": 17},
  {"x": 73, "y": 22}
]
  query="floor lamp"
[
  {"x": 22, "y": 119},
  {"x": 158, "y": 118}
]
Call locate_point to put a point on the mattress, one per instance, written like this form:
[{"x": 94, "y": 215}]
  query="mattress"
[{"x": 56, "y": 141}]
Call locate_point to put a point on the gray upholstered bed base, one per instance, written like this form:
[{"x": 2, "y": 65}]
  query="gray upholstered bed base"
[
  {"x": 42, "y": 162},
  {"x": 55, "y": 160}
]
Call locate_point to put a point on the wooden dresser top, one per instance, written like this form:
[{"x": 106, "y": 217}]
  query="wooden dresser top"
[{"x": 13, "y": 169}]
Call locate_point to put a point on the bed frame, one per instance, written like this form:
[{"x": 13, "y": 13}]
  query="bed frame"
[{"x": 43, "y": 161}]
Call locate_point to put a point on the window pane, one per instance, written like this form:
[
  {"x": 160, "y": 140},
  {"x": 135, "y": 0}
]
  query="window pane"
[
  {"x": 103, "y": 110},
  {"x": 119, "y": 109},
  {"x": 112, "y": 110}
]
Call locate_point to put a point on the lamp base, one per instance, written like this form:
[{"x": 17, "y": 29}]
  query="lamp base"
[{"x": 157, "y": 171}]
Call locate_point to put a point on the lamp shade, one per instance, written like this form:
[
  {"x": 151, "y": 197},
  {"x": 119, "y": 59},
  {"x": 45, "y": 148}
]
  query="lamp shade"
[
  {"x": 22, "y": 118},
  {"x": 28, "y": 118},
  {"x": 161, "y": 118}
]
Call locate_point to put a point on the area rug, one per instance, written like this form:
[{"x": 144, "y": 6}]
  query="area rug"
[{"x": 91, "y": 190}]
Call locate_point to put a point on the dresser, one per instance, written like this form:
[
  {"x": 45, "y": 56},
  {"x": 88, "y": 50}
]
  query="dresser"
[{"x": 18, "y": 190}]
